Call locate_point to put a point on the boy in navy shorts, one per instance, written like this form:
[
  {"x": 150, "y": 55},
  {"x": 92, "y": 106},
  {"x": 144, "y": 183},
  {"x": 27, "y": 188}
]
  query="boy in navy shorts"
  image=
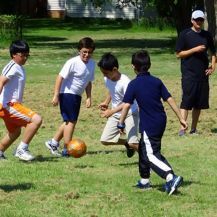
[
  {"x": 75, "y": 77},
  {"x": 148, "y": 91}
]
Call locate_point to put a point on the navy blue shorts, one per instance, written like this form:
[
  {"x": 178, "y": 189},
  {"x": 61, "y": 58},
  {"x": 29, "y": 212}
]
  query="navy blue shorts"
[{"x": 69, "y": 106}]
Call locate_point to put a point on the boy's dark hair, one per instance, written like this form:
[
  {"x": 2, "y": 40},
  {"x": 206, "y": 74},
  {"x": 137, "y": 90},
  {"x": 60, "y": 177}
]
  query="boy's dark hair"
[
  {"x": 141, "y": 61},
  {"x": 108, "y": 62},
  {"x": 86, "y": 42},
  {"x": 18, "y": 46}
]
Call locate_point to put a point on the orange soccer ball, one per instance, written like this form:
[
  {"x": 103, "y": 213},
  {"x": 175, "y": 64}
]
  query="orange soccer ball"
[{"x": 76, "y": 148}]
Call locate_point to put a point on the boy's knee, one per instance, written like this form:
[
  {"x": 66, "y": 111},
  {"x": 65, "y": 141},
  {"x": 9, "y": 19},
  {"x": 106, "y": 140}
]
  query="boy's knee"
[{"x": 37, "y": 119}]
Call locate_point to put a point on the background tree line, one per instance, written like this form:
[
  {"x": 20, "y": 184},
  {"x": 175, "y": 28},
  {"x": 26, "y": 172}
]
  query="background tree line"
[{"x": 177, "y": 11}]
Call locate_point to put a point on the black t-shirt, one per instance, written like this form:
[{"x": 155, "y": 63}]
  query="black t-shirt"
[{"x": 193, "y": 67}]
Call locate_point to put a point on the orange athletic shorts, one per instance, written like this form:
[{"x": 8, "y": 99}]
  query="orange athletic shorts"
[{"x": 15, "y": 115}]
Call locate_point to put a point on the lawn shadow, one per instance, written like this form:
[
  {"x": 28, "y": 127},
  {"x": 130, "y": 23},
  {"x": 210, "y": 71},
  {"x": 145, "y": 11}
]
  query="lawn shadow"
[
  {"x": 22, "y": 187},
  {"x": 104, "y": 152},
  {"x": 214, "y": 130},
  {"x": 128, "y": 164},
  {"x": 159, "y": 45},
  {"x": 41, "y": 158},
  {"x": 184, "y": 184}
]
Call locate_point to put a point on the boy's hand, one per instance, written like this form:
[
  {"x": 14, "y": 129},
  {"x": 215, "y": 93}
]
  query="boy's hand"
[
  {"x": 103, "y": 106},
  {"x": 88, "y": 103},
  {"x": 55, "y": 100},
  {"x": 184, "y": 124},
  {"x": 106, "y": 113},
  {"x": 121, "y": 128}
]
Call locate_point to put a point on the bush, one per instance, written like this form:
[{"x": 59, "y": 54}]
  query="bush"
[
  {"x": 11, "y": 27},
  {"x": 157, "y": 22}
]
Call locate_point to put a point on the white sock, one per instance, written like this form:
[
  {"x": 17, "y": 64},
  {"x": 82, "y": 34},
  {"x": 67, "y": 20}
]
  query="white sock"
[
  {"x": 169, "y": 177},
  {"x": 144, "y": 181},
  {"x": 54, "y": 142},
  {"x": 22, "y": 145}
]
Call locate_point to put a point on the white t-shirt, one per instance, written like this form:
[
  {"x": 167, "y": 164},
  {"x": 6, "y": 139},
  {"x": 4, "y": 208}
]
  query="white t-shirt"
[
  {"x": 117, "y": 90},
  {"x": 14, "y": 88},
  {"x": 76, "y": 75}
]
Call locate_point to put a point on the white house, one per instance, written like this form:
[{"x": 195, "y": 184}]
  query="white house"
[{"x": 77, "y": 8}]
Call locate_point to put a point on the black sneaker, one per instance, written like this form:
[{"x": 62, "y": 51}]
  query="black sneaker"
[
  {"x": 2, "y": 157},
  {"x": 147, "y": 186},
  {"x": 193, "y": 132},
  {"x": 130, "y": 151}
]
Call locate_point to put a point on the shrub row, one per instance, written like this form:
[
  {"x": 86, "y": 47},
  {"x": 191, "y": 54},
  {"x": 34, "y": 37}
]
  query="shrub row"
[{"x": 11, "y": 27}]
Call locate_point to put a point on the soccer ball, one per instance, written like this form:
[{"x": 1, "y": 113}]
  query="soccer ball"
[{"x": 76, "y": 148}]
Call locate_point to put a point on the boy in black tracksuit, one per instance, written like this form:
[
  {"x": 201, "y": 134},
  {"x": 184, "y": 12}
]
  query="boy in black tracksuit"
[{"x": 148, "y": 91}]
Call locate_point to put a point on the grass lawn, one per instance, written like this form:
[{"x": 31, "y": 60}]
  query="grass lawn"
[{"x": 101, "y": 184}]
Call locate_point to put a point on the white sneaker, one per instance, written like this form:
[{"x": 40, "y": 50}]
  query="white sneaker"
[
  {"x": 53, "y": 149},
  {"x": 24, "y": 154}
]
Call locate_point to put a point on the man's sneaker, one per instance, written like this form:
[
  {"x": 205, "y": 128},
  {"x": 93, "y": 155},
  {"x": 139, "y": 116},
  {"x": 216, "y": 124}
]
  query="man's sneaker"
[
  {"x": 53, "y": 149},
  {"x": 65, "y": 153},
  {"x": 2, "y": 157},
  {"x": 24, "y": 154},
  {"x": 147, "y": 186},
  {"x": 193, "y": 132},
  {"x": 171, "y": 186},
  {"x": 130, "y": 151}
]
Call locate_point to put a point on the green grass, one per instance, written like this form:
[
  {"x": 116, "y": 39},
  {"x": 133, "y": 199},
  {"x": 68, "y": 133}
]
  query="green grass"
[{"x": 100, "y": 184}]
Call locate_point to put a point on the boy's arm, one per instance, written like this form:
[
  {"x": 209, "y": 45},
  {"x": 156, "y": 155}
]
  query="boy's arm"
[
  {"x": 176, "y": 110},
  {"x": 3, "y": 81},
  {"x": 104, "y": 105},
  {"x": 125, "y": 110},
  {"x": 88, "y": 90},
  {"x": 58, "y": 83},
  {"x": 109, "y": 112}
]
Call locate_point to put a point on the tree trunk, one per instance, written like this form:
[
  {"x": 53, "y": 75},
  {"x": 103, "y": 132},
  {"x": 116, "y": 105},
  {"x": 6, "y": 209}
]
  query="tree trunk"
[
  {"x": 211, "y": 6},
  {"x": 182, "y": 14}
]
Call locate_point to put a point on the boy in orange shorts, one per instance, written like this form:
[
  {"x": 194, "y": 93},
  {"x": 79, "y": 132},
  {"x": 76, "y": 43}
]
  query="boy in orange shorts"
[{"x": 14, "y": 114}]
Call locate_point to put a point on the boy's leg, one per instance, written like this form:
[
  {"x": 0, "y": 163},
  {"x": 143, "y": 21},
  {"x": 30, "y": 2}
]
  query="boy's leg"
[
  {"x": 53, "y": 144},
  {"x": 132, "y": 131},
  {"x": 184, "y": 114},
  {"x": 67, "y": 135},
  {"x": 7, "y": 140},
  {"x": 16, "y": 116},
  {"x": 31, "y": 128},
  {"x": 68, "y": 131},
  {"x": 111, "y": 134},
  {"x": 59, "y": 133},
  {"x": 159, "y": 164},
  {"x": 151, "y": 153},
  {"x": 144, "y": 169},
  {"x": 22, "y": 150}
]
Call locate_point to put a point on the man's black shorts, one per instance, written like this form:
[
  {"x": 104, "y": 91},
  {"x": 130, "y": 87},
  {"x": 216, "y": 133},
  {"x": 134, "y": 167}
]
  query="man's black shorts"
[{"x": 195, "y": 94}]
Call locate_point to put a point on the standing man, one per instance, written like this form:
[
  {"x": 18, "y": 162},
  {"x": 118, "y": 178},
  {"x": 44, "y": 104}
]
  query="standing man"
[{"x": 192, "y": 47}]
